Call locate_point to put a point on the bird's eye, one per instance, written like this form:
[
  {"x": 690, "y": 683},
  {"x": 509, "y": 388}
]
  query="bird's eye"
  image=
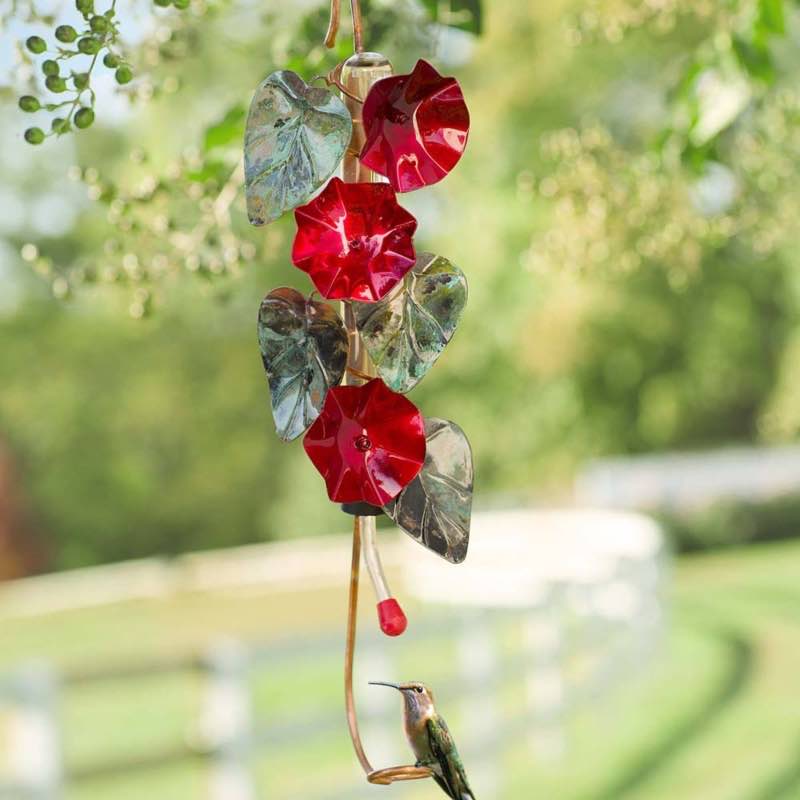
[{"x": 418, "y": 689}]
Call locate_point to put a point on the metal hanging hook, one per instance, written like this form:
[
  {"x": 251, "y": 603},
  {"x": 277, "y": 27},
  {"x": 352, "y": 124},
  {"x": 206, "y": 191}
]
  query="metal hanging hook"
[
  {"x": 335, "y": 19},
  {"x": 379, "y": 776}
]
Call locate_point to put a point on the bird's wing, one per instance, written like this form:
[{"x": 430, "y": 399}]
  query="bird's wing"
[
  {"x": 442, "y": 784},
  {"x": 441, "y": 744},
  {"x": 453, "y": 779}
]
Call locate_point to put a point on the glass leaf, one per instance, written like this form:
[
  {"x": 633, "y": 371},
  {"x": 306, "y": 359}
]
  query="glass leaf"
[
  {"x": 435, "y": 507},
  {"x": 295, "y": 138},
  {"x": 405, "y": 332},
  {"x": 304, "y": 349}
]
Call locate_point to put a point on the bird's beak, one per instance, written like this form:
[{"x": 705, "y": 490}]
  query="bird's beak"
[{"x": 382, "y": 683}]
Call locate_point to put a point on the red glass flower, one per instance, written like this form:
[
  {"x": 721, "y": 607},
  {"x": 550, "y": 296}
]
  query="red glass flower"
[
  {"x": 368, "y": 443},
  {"x": 416, "y": 127},
  {"x": 354, "y": 240}
]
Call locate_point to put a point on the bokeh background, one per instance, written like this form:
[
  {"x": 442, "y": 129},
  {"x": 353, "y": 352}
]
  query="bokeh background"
[{"x": 627, "y": 216}]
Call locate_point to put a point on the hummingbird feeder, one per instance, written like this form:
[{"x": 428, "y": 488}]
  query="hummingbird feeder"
[{"x": 339, "y": 156}]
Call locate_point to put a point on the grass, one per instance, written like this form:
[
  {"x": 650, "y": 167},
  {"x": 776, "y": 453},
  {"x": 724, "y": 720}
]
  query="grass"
[{"x": 716, "y": 718}]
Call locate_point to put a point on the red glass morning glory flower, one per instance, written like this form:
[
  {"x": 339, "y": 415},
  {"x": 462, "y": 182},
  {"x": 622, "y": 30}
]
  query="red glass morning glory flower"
[
  {"x": 368, "y": 443},
  {"x": 416, "y": 127},
  {"x": 354, "y": 241}
]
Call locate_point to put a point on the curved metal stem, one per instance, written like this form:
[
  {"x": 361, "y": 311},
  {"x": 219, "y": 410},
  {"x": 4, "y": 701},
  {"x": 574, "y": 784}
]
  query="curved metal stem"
[
  {"x": 335, "y": 19},
  {"x": 382, "y": 776},
  {"x": 334, "y": 78},
  {"x": 333, "y": 23},
  {"x": 350, "y": 647},
  {"x": 358, "y": 26},
  {"x": 357, "y": 373},
  {"x": 360, "y": 370}
]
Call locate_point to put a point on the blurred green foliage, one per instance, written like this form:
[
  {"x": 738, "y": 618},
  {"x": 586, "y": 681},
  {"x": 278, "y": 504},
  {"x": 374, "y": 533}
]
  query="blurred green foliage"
[
  {"x": 732, "y": 523},
  {"x": 687, "y": 373},
  {"x": 625, "y": 214}
]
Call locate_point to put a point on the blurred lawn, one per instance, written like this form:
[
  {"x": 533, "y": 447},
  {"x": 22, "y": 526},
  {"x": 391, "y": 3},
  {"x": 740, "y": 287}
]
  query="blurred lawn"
[{"x": 715, "y": 719}]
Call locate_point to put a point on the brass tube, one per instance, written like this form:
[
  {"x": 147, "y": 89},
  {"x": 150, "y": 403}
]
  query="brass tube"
[{"x": 357, "y": 75}]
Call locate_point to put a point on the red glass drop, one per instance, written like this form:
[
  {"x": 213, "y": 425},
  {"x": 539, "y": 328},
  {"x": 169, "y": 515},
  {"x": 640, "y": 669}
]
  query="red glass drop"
[
  {"x": 372, "y": 414},
  {"x": 391, "y": 618},
  {"x": 354, "y": 241},
  {"x": 416, "y": 127}
]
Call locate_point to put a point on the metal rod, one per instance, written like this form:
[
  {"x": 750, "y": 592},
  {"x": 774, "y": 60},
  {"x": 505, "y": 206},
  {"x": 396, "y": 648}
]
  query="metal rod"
[
  {"x": 335, "y": 20},
  {"x": 355, "y": 77},
  {"x": 349, "y": 653},
  {"x": 362, "y": 376},
  {"x": 334, "y": 78},
  {"x": 333, "y": 23},
  {"x": 381, "y": 776},
  {"x": 358, "y": 29}
]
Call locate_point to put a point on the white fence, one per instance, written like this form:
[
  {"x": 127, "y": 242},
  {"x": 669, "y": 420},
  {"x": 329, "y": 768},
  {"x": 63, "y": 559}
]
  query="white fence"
[
  {"x": 540, "y": 593},
  {"x": 678, "y": 482}
]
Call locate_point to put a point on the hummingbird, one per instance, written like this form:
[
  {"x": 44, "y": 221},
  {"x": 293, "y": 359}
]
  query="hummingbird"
[{"x": 430, "y": 739}]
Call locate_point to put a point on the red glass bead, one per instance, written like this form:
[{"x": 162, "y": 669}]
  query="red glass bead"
[
  {"x": 416, "y": 127},
  {"x": 354, "y": 241},
  {"x": 391, "y": 618},
  {"x": 368, "y": 443}
]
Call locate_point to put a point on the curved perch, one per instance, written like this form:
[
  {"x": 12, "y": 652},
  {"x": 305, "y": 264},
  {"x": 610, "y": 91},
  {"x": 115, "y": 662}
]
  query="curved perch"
[{"x": 389, "y": 775}]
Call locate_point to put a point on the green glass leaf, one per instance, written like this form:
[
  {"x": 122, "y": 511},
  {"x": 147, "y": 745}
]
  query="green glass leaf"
[
  {"x": 435, "y": 508},
  {"x": 295, "y": 138},
  {"x": 304, "y": 349},
  {"x": 405, "y": 332}
]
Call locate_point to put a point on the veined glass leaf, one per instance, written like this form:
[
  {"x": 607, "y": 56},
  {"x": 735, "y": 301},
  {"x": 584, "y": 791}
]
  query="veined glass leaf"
[
  {"x": 304, "y": 349},
  {"x": 405, "y": 332},
  {"x": 294, "y": 140},
  {"x": 435, "y": 508}
]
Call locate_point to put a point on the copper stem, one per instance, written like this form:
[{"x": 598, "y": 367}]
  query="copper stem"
[
  {"x": 335, "y": 19},
  {"x": 357, "y": 74},
  {"x": 358, "y": 29},
  {"x": 349, "y": 653},
  {"x": 381, "y": 776}
]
